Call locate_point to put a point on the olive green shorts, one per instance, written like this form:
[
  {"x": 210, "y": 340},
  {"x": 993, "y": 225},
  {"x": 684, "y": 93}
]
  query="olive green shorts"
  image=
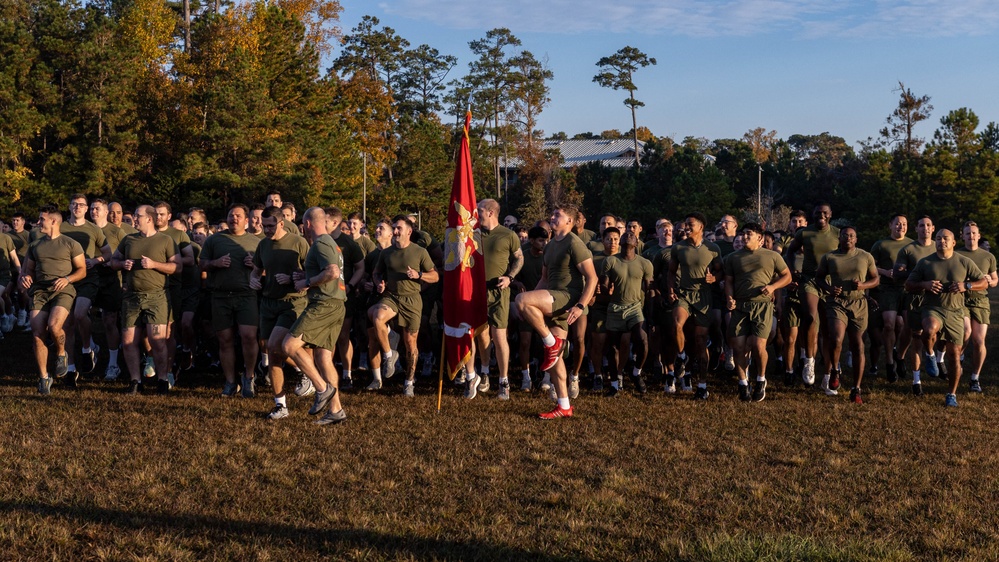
[
  {"x": 87, "y": 289},
  {"x": 951, "y": 323},
  {"x": 596, "y": 319},
  {"x": 891, "y": 299},
  {"x": 319, "y": 324},
  {"x": 624, "y": 317},
  {"x": 697, "y": 304},
  {"x": 562, "y": 303},
  {"x": 109, "y": 294},
  {"x": 45, "y": 299},
  {"x": 276, "y": 313},
  {"x": 408, "y": 310},
  {"x": 498, "y": 308},
  {"x": 979, "y": 309},
  {"x": 233, "y": 308},
  {"x": 853, "y": 313},
  {"x": 144, "y": 309},
  {"x": 751, "y": 319},
  {"x": 793, "y": 311},
  {"x": 807, "y": 286}
]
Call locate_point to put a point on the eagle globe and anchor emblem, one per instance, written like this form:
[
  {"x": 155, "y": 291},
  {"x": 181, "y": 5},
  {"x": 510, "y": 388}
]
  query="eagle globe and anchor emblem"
[{"x": 461, "y": 246}]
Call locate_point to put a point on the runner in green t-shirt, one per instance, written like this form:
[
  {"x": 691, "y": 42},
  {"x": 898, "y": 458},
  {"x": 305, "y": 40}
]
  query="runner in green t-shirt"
[
  {"x": 148, "y": 259},
  {"x": 627, "y": 277},
  {"x": 503, "y": 260},
  {"x": 909, "y": 347},
  {"x": 97, "y": 252},
  {"x": 694, "y": 266},
  {"x": 977, "y": 302},
  {"x": 353, "y": 274},
  {"x": 815, "y": 241},
  {"x": 891, "y": 294},
  {"x": 753, "y": 275},
  {"x": 280, "y": 254},
  {"x": 227, "y": 257},
  {"x": 52, "y": 265},
  {"x": 568, "y": 282},
  {"x": 596, "y": 316},
  {"x": 109, "y": 291},
  {"x": 527, "y": 280},
  {"x": 845, "y": 274},
  {"x": 942, "y": 277},
  {"x": 397, "y": 277}
]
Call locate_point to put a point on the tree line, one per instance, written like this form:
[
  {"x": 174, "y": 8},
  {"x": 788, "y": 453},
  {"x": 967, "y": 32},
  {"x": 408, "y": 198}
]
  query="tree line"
[{"x": 205, "y": 103}]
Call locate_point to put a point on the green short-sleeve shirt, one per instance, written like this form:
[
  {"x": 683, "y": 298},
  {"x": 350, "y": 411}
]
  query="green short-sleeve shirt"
[
  {"x": 53, "y": 258},
  {"x": 816, "y": 243},
  {"x": 91, "y": 239},
  {"x": 848, "y": 266},
  {"x": 393, "y": 264},
  {"x": 626, "y": 276},
  {"x": 499, "y": 245},
  {"x": 352, "y": 253},
  {"x": 957, "y": 269},
  {"x": 885, "y": 252},
  {"x": 322, "y": 254},
  {"x": 286, "y": 256},
  {"x": 693, "y": 263},
  {"x": 6, "y": 247},
  {"x": 530, "y": 274},
  {"x": 985, "y": 262},
  {"x": 751, "y": 270},
  {"x": 236, "y": 277},
  {"x": 562, "y": 259},
  {"x": 158, "y": 247}
]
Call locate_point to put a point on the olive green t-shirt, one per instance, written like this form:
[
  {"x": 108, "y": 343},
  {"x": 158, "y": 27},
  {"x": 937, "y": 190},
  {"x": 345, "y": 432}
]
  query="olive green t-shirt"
[
  {"x": 371, "y": 261},
  {"x": 693, "y": 263},
  {"x": 91, "y": 239},
  {"x": 236, "y": 277},
  {"x": 6, "y": 247},
  {"x": 182, "y": 240},
  {"x": 366, "y": 244},
  {"x": 392, "y": 266},
  {"x": 910, "y": 255},
  {"x": 286, "y": 255},
  {"x": 129, "y": 229},
  {"x": 53, "y": 258},
  {"x": 659, "y": 256},
  {"x": 586, "y": 236},
  {"x": 562, "y": 259},
  {"x": 627, "y": 276},
  {"x": 885, "y": 252},
  {"x": 751, "y": 270},
  {"x": 499, "y": 245},
  {"x": 114, "y": 236},
  {"x": 985, "y": 262},
  {"x": 530, "y": 274},
  {"x": 21, "y": 241},
  {"x": 191, "y": 276},
  {"x": 957, "y": 269},
  {"x": 816, "y": 243},
  {"x": 848, "y": 266},
  {"x": 158, "y": 247},
  {"x": 352, "y": 254},
  {"x": 321, "y": 255}
]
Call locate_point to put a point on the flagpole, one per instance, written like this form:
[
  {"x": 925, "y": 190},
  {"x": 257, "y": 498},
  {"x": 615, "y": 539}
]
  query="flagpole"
[{"x": 440, "y": 374}]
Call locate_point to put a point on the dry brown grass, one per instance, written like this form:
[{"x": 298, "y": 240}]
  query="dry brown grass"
[{"x": 95, "y": 474}]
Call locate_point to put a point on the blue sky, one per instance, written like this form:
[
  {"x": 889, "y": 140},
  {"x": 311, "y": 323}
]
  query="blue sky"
[{"x": 728, "y": 66}]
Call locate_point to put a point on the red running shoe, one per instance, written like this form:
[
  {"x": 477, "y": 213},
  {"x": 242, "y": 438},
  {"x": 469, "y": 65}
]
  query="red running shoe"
[
  {"x": 558, "y": 412},
  {"x": 552, "y": 353},
  {"x": 834, "y": 379}
]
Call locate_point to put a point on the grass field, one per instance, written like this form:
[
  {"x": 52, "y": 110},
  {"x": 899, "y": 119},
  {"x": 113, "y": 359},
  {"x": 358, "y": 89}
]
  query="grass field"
[{"x": 95, "y": 474}]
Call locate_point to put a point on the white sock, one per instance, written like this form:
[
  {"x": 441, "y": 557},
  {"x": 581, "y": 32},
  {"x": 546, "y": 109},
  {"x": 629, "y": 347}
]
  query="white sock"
[
  {"x": 71, "y": 367},
  {"x": 614, "y": 383},
  {"x": 485, "y": 370},
  {"x": 265, "y": 361},
  {"x": 682, "y": 355},
  {"x": 803, "y": 356},
  {"x": 85, "y": 350},
  {"x": 974, "y": 376},
  {"x": 282, "y": 400},
  {"x": 940, "y": 357},
  {"x": 504, "y": 380},
  {"x": 112, "y": 357},
  {"x": 809, "y": 360},
  {"x": 563, "y": 403},
  {"x": 636, "y": 372},
  {"x": 386, "y": 356},
  {"x": 703, "y": 385},
  {"x": 548, "y": 340},
  {"x": 742, "y": 382},
  {"x": 574, "y": 377},
  {"x": 377, "y": 374},
  {"x": 761, "y": 378},
  {"x": 915, "y": 377},
  {"x": 526, "y": 373},
  {"x": 346, "y": 374}
]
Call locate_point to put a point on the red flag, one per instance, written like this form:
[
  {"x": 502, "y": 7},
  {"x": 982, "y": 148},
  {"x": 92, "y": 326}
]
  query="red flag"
[{"x": 464, "y": 268}]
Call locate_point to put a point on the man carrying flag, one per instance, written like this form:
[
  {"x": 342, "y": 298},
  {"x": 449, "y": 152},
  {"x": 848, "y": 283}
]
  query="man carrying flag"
[
  {"x": 464, "y": 270},
  {"x": 568, "y": 283}
]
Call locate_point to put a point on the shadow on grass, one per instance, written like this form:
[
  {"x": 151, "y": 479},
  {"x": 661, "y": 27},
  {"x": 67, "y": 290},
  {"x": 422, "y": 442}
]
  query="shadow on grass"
[{"x": 309, "y": 540}]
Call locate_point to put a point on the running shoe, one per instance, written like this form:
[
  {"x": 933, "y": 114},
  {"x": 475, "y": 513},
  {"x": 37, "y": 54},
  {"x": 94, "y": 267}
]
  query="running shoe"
[
  {"x": 229, "y": 389},
  {"x": 573, "y": 387},
  {"x": 304, "y": 387},
  {"x": 808, "y": 372},
  {"x": 45, "y": 386},
  {"x": 701, "y": 394},
  {"x": 279, "y": 412},
  {"x": 930, "y": 363},
  {"x": 917, "y": 389},
  {"x": 471, "y": 387},
  {"x": 322, "y": 400},
  {"x": 409, "y": 390},
  {"x": 745, "y": 394},
  {"x": 526, "y": 384},
  {"x": 975, "y": 386},
  {"x": 388, "y": 365},
  {"x": 855, "y": 396},
  {"x": 759, "y": 391},
  {"x": 598, "y": 383},
  {"x": 950, "y": 401},
  {"x": 112, "y": 373},
  {"x": 483, "y": 383},
  {"x": 61, "y": 366},
  {"x": 834, "y": 379},
  {"x": 558, "y": 412},
  {"x": 333, "y": 418},
  {"x": 249, "y": 390},
  {"x": 504, "y": 391},
  {"x": 552, "y": 353},
  {"x": 639, "y": 384}
]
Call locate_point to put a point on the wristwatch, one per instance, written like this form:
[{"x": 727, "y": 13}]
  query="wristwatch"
[{"x": 967, "y": 285}]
